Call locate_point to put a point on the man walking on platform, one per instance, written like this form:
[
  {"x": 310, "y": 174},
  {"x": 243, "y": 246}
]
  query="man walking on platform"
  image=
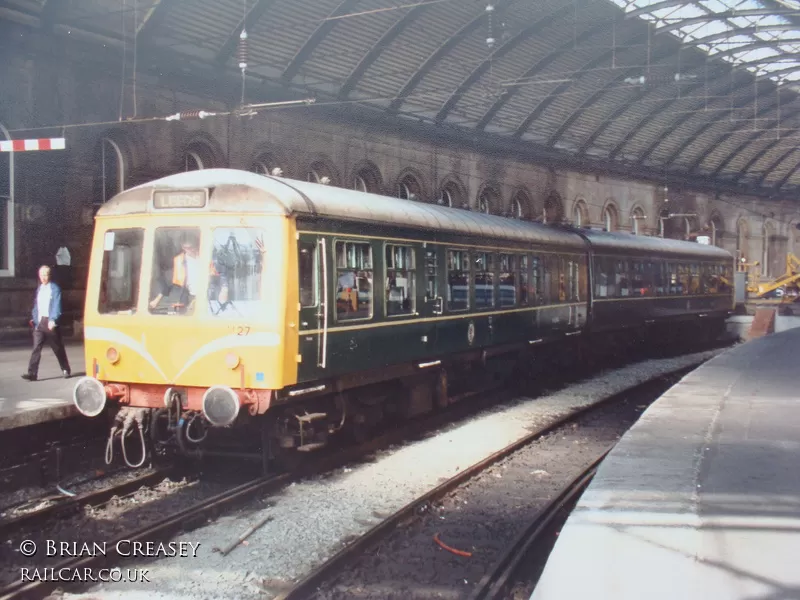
[{"x": 46, "y": 312}]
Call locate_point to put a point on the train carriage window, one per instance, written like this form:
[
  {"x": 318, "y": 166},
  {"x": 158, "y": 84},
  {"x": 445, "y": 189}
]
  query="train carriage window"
[
  {"x": 622, "y": 279},
  {"x": 177, "y": 273},
  {"x": 694, "y": 279},
  {"x": 710, "y": 278},
  {"x": 431, "y": 274},
  {"x": 583, "y": 279},
  {"x": 601, "y": 277},
  {"x": 122, "y": 265},
  {"x": 683, "y": 279},
  {"x": 458, "y": 280},
  {"x": 537, "y": 296},
  {"x": 237, "y": 265},
  {"x": 524, "y": 279},
  {"x": 401, "y": 298},
  {"x": 484, "y": 280},
  {"x": 572, "y": 281},
  {"x": 549, "y": 279},
  {"x": 659, "y": 281},
  {"x": 725, "y": 278},
  {"x": 353, "y": 280},
  {"x": 508, "y": 280},
  {"x": 307, "y": 262},
  {"x": 674, "y": 282}
]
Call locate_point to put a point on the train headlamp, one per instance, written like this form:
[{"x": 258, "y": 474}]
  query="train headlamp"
[
  {"x": 220, "y": 405},
  {"x": 89, "y": 396},
  {"x": 232, "y": 360},
  {"x": 112, "y": 355}
]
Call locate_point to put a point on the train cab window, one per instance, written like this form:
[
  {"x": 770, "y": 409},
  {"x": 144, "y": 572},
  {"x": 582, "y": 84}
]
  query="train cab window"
[
  {"x": 524, "y": 279},
  {"x": 177, "y": 273},
  {"x": 307, "y": 257},
  {"x": 458, "y": 280},
  {"x": 508, "y": 280},
  {"x": 353, "y": 281},
  {"x": 431, "y": 274},
  {"x": 401, "y": 298},
  {"x": 235, "y": 274},
  {"x": 122, "y": 265},
  {"x": 484, "y": 280},
  {"x": 622, "y": 279}
]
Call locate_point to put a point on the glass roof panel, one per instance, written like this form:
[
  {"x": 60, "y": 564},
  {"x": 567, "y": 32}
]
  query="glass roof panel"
[{"x": 768, "y": 59}]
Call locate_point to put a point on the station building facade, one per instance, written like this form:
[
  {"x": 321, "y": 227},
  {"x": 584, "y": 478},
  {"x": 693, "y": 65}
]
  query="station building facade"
[{"x": 58, "y": 88}]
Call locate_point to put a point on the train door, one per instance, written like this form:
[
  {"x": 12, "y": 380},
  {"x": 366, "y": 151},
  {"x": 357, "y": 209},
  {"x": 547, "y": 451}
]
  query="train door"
[
  {"x": 312, "y": 260},
  {"x": 433, "y": 293}
]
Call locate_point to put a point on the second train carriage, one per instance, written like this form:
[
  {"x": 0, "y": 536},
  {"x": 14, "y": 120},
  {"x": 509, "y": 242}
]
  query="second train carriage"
[{"x": 222, "y": 297}]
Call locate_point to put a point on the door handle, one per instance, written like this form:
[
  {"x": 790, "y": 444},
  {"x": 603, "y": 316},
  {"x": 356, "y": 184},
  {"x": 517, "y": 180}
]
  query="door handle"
[{"x": 438, "y": 306}]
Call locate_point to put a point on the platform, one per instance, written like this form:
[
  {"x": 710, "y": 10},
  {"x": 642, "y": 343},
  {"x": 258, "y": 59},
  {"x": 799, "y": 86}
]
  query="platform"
[
  {"x": 24, "y": 403},
  {"x": 701, "y": 498}
]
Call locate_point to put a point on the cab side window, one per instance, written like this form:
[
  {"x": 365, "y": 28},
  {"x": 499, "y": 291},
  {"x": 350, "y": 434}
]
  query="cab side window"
[{"x": 307, "y": 257}]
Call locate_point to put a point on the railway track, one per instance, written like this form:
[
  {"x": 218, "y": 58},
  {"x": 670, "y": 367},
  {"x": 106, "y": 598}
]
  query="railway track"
[
  {"x": 209, "y": 508},
  {"x": 495, "y": 584},
  {"x": 212, "y": 507},
  {"x": 64, "y": 505},
  {"x": 346, "y": 558}
]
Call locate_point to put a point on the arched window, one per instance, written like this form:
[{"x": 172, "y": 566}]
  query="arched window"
[
  {"x": 553, "y": 209},
  {"x": 452, "y": 195},
  {"x": 715, "y": 230},
  {"x": 266, "y": 164},
  {"x": 488, "y": 201},
  {"x": 637, "y": 221},
  {"x": 112, "y": 169},
  {"x": 367, "y": 178},
  {"x": 192, "y": 161},
  {"x": 610, "y": 217},
  {"x": 520, "y": 205},
  {"x": 6, "y": 209},
  {"x": 408, "y": 188},
  {"x": 580, "y": 214},
  {"x": 742, "y": 241}
]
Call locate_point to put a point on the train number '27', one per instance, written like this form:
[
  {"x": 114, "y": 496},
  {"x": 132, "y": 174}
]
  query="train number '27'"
[{"x": 240, "y": 329}]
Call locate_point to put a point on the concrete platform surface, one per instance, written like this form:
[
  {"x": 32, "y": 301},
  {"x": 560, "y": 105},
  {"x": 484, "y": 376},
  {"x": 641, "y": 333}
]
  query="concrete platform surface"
[
  {"x": 701, "y": 498},
  {"x": 24, "y": 403}
]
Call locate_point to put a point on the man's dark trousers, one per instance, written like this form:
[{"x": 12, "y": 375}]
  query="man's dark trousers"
[{"x": 41, "y": 335}]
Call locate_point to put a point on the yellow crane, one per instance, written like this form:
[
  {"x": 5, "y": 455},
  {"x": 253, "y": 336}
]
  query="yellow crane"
[{"x": 789, "y": 281}]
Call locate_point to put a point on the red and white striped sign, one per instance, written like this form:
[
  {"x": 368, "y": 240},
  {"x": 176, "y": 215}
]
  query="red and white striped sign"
[{"x": 34, "y": 144}]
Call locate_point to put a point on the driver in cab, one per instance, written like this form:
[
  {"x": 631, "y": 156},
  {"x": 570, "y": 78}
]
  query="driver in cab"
[{"x": 185, "y": 275}]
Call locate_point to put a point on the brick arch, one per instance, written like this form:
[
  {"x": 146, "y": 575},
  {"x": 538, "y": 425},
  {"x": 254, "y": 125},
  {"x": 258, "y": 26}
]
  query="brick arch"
[
  {"x": 553, "y": 211},
  {"x": 610, "y": 215},
  {"x": 370, "y": 174},
  {"x": 489, "y": 199},
  {"x": 413, "y": 180},
  {"x": 205, "y": 147},
  {"x": 521, "y": 205},
  {"x": 320, "y": 166},
  {"x": 266, "y": 158},
  {"x": 579, "y": 215},
  {"x": 452, "y": 187},
  {"x": 640, "y": 225}
]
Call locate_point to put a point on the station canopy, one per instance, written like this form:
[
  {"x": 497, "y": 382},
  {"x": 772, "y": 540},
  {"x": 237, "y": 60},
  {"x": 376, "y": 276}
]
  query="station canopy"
[{"x": 704, "y": 91}]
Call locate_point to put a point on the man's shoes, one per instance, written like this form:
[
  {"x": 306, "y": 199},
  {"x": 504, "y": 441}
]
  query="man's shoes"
[
  {"x": 29, "y": 377},
  {"x": 67, "y": 374}
]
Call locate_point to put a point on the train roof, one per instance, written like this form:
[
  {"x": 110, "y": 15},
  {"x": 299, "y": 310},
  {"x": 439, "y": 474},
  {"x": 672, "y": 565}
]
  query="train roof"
[
  {"x": 628, "y": 243},
  {"x": 251, "y": 192}
]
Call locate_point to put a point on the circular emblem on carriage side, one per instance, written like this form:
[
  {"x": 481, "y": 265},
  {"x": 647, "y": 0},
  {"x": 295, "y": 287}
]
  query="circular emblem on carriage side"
[{"x": 471, "y": 333}]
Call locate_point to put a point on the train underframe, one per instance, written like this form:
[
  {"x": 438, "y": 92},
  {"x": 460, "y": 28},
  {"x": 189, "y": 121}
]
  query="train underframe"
[{"x": 360, "y": 407}]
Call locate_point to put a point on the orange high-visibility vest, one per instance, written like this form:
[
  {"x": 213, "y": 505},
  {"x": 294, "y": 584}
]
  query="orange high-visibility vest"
[{"x": 179, "y": 270}]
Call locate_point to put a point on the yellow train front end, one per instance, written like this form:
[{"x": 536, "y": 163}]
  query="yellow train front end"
[{"x": 187, "y": 317}]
